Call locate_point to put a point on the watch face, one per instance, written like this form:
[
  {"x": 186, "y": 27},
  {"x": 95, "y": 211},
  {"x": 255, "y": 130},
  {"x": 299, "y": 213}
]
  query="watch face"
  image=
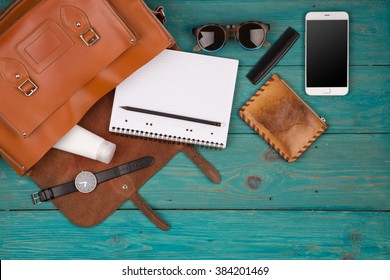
[{"x": 85, "y": 182}]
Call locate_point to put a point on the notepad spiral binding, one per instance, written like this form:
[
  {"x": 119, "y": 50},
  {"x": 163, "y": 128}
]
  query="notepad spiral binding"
[{"x": 165, "y": 137}]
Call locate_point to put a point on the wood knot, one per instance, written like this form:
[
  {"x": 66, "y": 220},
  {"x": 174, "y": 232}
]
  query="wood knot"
[{"x": 254, "y": 182}]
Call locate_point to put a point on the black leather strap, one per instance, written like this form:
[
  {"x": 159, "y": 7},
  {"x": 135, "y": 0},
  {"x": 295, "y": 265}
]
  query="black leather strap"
[
  {"x": 123, "y": 169},
  {"x": 53, "y": 192},
  {"x": 101, "y": 177}
]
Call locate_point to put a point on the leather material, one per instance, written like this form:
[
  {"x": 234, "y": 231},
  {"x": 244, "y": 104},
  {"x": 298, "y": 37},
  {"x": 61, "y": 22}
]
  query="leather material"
[
  {"x": 203, "y": 164},
  {"x": 90, "y": 209},
  {"x": 123, "y": 169},
  {"x": 9, "y": 68},
  {"x": 148, "y": 211},
  {"x": 54, "y": 192},
  {"x": 282, "y": 118},
  {"x": 75, "y": 19},
  {"x": 68, "y": 75}
]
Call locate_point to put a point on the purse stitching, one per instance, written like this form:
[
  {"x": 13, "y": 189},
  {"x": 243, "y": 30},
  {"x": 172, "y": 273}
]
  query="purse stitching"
[
  {"x": 311, "y": 141},
  {"x": 263, "y": 134}
]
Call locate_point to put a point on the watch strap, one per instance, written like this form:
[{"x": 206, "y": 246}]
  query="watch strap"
[
  {"x": 102, "y": 176},
  {"x": 53, "y": 192},
  {"x": 124, "y": 169}
]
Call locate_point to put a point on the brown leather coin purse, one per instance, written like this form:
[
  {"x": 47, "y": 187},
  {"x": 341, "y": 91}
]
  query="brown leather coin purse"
[{"x": 282, "y": 118}]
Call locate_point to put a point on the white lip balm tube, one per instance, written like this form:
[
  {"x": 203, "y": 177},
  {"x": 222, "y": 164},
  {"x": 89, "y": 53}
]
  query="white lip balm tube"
[{"x": 82, "y": 142}]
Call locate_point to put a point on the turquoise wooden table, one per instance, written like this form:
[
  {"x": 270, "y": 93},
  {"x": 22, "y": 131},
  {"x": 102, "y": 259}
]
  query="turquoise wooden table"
[{"x": 333, "y": 203}]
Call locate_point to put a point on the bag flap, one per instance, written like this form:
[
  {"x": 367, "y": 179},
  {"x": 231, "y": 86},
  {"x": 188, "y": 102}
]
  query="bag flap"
[{"x": 51, "y": 52}]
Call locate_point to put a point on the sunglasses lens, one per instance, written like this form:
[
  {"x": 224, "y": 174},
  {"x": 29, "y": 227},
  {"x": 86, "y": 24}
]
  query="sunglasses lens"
[
  {"x": 211, "y": 38},
  {"x": 251, "y": 35}
]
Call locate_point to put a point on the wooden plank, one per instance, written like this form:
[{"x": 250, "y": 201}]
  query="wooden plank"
[
  {"x": 326, "y": 177},
  {"x": 199, "y": 235},
  {"x": 369, "y": 41},
  {"x": 338, "y": 172}
]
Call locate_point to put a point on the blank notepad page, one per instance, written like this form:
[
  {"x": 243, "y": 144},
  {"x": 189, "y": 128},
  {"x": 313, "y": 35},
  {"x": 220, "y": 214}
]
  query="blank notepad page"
[{"x": 178, "y": 96}]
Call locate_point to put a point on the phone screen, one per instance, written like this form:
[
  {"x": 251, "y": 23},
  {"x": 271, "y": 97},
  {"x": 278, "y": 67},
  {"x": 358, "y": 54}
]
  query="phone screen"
[{"x": 327, "y": 53}]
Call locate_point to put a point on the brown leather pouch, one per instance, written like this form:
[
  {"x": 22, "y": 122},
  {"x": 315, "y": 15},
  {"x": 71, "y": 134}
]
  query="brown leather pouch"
[
  {"x": 58, "y": 167},
  {"x": 57, "y": 58},
  {"x": 282, "y": 118}
]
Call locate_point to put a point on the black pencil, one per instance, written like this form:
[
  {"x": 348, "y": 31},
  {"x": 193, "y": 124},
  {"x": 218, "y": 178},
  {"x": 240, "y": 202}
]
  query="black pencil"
[{"x": 168, "y": 115}]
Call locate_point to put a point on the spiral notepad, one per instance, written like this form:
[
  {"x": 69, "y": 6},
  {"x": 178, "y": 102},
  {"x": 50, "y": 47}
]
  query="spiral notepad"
[{"x": 178, "y": 96}]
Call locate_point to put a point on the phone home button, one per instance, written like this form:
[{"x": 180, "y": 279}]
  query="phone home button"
[{"x": 327, "y": 90}]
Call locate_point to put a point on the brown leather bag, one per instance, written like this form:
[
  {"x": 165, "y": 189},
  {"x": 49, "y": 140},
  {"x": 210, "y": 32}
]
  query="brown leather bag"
[{"x": 57, "y": 58}]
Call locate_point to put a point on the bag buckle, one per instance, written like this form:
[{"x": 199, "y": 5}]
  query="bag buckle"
[
  {"x": 36, "y": 198},
  {"x": 160, "y": 14},
  {"x": 90, "y": 37},
  {"x": 28, "y": 87}
]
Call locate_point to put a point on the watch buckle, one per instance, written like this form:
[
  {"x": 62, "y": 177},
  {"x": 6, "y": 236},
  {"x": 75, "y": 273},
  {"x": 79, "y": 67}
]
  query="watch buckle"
[{"x": 36, "y": 198}]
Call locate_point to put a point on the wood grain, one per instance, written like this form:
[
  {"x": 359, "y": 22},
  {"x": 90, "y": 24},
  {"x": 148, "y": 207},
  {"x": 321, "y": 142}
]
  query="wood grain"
[
  {"x": 199, "y": 235},
  {"x": 332, "y": 203},
  {"x": 336, "y": 173},
  {"x": 369, "y": 40}
]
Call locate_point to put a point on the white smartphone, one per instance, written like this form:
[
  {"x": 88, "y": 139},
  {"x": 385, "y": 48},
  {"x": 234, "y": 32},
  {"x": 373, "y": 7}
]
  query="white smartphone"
[{"x": 326, "y": 53}]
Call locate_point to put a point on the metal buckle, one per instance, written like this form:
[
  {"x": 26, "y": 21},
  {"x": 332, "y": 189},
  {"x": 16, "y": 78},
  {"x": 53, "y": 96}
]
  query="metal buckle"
[
  {"x": 160, "y": 9},
  {"x": 36, "y": 198},
  {"x": 161, "y": 12},
  {"x": 34, "y": 89},
  {"x": 93, "y": 40}
]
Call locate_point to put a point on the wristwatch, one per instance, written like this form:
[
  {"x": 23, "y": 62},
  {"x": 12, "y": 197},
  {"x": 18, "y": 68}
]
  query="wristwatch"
[{"x": 87, "y": 181}]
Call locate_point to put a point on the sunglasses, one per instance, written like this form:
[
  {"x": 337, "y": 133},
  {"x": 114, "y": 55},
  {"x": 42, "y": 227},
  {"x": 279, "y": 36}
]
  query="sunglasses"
[{"x": 212, "y": 37}]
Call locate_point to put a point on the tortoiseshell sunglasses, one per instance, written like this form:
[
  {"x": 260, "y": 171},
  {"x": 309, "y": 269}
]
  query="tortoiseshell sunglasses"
[{"x": 250, "y": 35}]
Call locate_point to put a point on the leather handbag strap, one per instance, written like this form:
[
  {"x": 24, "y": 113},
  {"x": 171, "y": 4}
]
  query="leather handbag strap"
[
  {"x": 77, "y": 21},
  {"x": 202, "y": 163},
  {"x": 17, "y": 76},
  {"x": 198, "y": 160},
  {"x": 144, "y": 207}
]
